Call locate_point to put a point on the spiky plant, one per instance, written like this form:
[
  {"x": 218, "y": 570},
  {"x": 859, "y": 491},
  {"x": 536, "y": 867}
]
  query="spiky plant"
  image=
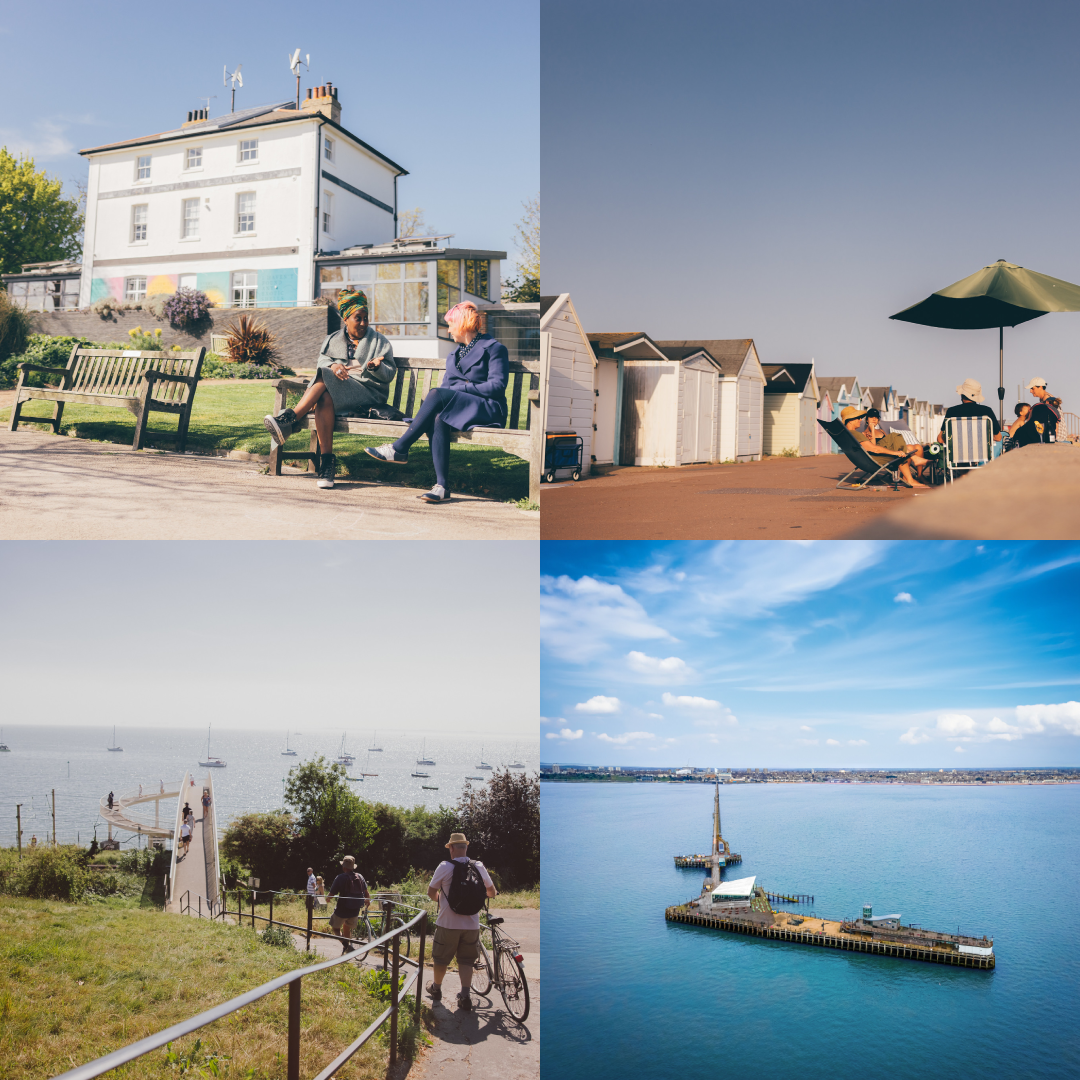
[{"x": 250, "y": 342}]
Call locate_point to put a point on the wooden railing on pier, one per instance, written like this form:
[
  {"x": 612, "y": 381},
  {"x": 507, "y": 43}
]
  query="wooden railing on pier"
[
  {"x": 793, "y": 898},
  {"x": 736, "y": 925},
  {"x": 686, "y": 862}
]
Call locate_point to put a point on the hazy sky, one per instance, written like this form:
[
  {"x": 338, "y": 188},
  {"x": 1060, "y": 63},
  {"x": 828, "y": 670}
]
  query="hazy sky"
[
  {"x": 835, "y": 653},
  {"x": 405, "y": 636},
  {"x": 449, "y": 91},
  {"x": 796, "y": 173}
]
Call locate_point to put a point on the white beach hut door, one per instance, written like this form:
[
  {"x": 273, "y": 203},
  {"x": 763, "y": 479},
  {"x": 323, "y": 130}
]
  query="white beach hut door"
[
  {"x": 706, "y": 409},
  {"x": 689, "y": 415}
]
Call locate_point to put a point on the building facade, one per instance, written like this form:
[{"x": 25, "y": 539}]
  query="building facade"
[{"x": 238, "y": 206}]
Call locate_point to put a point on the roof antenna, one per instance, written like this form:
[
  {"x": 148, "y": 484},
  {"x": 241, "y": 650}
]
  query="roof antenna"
[
  {"x": 212, "y": 97},
  {"x": 294, "y": 66},
  {"x": 237, "y": 80}
]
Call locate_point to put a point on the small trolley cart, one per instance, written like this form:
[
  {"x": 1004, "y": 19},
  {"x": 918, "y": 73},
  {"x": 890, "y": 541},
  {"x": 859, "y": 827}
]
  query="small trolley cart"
[{"x": 563, "y": 450}]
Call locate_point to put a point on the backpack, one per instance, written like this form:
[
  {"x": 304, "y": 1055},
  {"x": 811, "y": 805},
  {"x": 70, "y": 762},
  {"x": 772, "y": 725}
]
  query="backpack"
[
  {"x": 355, "y": 879},
  {"x": 467, "y": 891}
]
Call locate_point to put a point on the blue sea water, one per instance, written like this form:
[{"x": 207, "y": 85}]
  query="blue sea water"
[{"x": 630, "y": 995}]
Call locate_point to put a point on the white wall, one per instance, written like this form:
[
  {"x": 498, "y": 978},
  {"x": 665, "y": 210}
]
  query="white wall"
[
  {"x": 355, "y": 220},
  {"x": 606, "y": 387},
  {"x": 571, "y": 377}
]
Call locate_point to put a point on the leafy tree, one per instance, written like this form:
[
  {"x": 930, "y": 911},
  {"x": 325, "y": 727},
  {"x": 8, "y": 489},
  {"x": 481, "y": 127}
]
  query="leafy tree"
[
  {"x": 407, "y": 839},
  {"x": 14, "y": 334},
  {"x": 502, "y": 821},
  {"x": 526, "y": 288},
  {"x": 331, "y": 821},
  {"x": 262, "y": 843},
  {"x": 37, "y": 224},
  {"x": 412, "y": 223}
]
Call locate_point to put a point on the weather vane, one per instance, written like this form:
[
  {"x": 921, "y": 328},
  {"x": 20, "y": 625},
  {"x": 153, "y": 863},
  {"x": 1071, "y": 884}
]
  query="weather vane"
[{"x": 294, "y": 66}]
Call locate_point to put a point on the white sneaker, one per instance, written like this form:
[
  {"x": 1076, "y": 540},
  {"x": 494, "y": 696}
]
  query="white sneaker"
[{"x": 438, "y": 494}]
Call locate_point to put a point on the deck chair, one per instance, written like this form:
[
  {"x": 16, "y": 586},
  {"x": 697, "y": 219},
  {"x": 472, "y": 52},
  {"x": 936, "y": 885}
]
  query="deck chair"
[
  {"x": 862, "y": 461},
  {"x": 969, "y": 444}
]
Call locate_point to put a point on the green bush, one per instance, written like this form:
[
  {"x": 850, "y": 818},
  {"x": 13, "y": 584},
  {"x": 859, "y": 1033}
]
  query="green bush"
[
  {"x": 45, "y": 873},
  {"x": 277, "y": 936},
  {"x": 214, "y": 367},
  {"x": 38, "y": 349},
  {"x": 14, "y": 327}
]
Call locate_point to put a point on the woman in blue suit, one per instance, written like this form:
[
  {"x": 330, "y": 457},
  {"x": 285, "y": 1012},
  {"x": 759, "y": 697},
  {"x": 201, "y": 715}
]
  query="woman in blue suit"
[{"x": 472, "y": 394}]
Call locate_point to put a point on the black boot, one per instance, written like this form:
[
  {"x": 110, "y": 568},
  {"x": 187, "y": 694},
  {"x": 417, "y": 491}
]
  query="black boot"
[{"x": 327, "y": 467}]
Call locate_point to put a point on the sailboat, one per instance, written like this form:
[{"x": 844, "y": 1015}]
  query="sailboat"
[
  {"x": 423, "y": 759},
  {"x": 516, "y": 764},
  {"x": 374, "y": 749},
  {"x": 114, "y": 748},
  {"x": 422, "y": 775},
  {"x": 4, "y": 748},
  {"x": 483, "y": 764},
  {"x": 287, "y": 752},
  {"x": 211, "y": 762},
  {"x": 481, "y": 778},
  {"x": 344, "y": 758}
]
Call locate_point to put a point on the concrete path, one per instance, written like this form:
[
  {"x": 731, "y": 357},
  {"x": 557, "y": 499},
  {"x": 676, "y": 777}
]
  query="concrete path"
[
  {"x": 57, "y": 488},
  {"x": 487, "y": 1043},
  {"x": 1028, "y": 494},
  {"x": 195, "y": 870}
]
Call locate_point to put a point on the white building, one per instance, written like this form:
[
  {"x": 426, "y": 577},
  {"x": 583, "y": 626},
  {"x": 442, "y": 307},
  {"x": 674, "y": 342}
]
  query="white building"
[
  {"x": 567, "y": 394},
  {"x": 791, "y": 404},
  {"x": 238, "y": 205}
]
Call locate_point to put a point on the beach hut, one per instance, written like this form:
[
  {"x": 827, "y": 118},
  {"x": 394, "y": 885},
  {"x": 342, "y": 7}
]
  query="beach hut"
[
  {"x": 570, "y": 377},
  {"x": 741, "y": 395},
  {"x": 791, "y": 402},
  {"x": 824, "y": 412},
  {"x": 883, "y": 398},
  {"x": 665, "y": 400},
  {"x": 843, "y": 390}
]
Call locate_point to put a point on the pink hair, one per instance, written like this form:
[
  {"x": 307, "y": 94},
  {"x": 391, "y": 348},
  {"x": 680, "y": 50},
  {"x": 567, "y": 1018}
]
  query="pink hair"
[{"x": 466, "y": 313}]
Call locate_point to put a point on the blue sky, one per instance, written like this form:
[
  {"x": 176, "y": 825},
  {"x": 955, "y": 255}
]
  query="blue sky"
[
  {"x": 810, "y": 654},
  {"x": 450, "y": 91},
  {"x": 797, "y": 172}
]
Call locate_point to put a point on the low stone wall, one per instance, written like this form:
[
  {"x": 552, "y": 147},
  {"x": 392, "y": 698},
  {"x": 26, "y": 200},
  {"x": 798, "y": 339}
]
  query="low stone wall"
[{"x": 299, "y": 331}]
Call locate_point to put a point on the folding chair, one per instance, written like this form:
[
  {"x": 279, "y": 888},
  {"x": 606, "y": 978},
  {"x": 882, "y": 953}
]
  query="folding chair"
[
  {"x": 969, "y": 444},
  {"x": 862, "y": 461}
]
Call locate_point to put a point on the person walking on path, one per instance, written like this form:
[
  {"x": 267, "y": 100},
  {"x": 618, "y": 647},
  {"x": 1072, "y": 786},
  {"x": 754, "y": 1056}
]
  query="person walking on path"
[
  {"x": 162, "y": 791},
  {"x": 185, "y": 836},
  {"x": 352, "y": 892},
  {"x": 205, "y": 801},
  {"x": 355, "y": 369},
  {"x": 472, "y": 394},
  {"x": 311, "y": 882},
  {"x": 461, "y": 885},
  {"x": 110, "y": 800}
]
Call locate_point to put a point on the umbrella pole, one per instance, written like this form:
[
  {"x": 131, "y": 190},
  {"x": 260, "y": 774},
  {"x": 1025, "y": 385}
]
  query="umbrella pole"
[{"x": 1001, "y": 376}]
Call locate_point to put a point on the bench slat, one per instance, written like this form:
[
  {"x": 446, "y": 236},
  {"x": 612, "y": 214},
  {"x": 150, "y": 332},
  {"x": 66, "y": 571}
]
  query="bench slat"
[
  {"x": 77, "y": 396},
  {"x": 515, "y": 401}
]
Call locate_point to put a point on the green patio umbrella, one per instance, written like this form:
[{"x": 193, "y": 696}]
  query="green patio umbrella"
[{"x": 1000, "y": 295}]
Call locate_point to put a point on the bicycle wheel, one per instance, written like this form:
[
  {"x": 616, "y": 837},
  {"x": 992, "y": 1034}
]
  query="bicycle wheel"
[
  {"x": 513, "y": 984},
  {"x": 405, "y": 940},
  {"x": 481, "y": 979}
]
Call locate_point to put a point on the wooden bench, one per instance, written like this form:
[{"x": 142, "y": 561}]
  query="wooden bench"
[
  {"x": 415, "y": 377},
  {"x": 141, "y": 382}
]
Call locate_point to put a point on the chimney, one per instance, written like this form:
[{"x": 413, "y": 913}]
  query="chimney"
[
  {"x": 196, "y": 116},
  {"x": 323, "y": 99}
]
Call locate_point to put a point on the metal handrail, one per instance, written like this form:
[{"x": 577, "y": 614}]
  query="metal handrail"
[{"x": 292, "y": 981}]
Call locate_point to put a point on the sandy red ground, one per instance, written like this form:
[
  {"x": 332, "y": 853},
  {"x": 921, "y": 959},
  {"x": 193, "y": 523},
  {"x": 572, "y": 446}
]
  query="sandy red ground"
[{"x": 778, "y": 498}]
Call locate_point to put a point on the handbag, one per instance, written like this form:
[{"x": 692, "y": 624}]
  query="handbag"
[{"x": 385, "y": 412}]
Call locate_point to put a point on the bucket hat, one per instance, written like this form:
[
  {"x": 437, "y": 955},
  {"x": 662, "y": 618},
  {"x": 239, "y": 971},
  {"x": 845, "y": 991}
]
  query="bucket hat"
[{"x": 971, "y": 389}]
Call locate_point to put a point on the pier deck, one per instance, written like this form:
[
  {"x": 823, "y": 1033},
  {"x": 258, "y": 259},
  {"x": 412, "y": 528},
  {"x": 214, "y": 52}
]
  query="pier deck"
[
  {"x": 686, "y": 862},
  {"x": 829, "y": 934}
]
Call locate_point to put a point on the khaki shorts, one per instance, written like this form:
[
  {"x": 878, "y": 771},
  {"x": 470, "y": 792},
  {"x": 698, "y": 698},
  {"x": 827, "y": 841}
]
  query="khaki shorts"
[
  {"x": 450, "y": 943},
  {"x": 338, "y": 923}
]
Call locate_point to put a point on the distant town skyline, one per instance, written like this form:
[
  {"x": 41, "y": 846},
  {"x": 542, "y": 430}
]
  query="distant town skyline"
[{"x": 837, "y": 654}]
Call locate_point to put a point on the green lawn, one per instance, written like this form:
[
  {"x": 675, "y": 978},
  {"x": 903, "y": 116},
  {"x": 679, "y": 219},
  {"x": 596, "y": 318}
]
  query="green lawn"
[
  {"x": 80, "y": 980},
  {"x": 229, "y": 417}
]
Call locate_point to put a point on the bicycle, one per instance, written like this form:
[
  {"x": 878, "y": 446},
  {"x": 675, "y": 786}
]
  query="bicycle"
[
  {"x": 366, "y": 932},
  {"x": 507, "y": 973}
]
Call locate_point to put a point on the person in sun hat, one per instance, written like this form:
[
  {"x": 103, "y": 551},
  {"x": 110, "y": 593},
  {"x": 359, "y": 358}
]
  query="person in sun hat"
[
  {"x": 853, "y": 420},
  {"x": 352, "y": 892},
  {"x": 971, "y": 404},
  {"x": 454, "y": 883},
  {"x": 1042, "y": 422},
  {"x": 472, "y": 394},
  {"x": 355, "y": 369}
]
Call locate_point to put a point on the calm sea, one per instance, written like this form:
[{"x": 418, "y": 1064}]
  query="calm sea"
[
  {"x": 75, "y": 761},
  {"x": 631, "y": 995}
]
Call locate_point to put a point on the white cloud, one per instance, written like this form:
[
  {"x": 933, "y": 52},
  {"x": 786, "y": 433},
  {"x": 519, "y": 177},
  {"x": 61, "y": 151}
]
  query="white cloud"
[
  {"x": 686, "y": 701},
  {"x": 903, "y": 598},
  {"x": 805, "y": 728},
  {"x": 655, "y": 579},
  {"x": 959, "y": 749},
  {"x": 914, "y": 736},
  {"x": 1038, "y": 717},
  {"x": 980, "y": 726},
  {"x": 655, "y": 716},
  {"x": 565, "y": 734},
  {"x": 599, "y": 704},
  {"x": 856, "y": 742},
  {"x": 629, "y": 737},
  {"x": 831, "y": 742},
  {"x": 578, "y": 618},
  {"x": 670, "y": 669},
  {"x": 47, "y": 140},
  {"x": 551, "y": 720}
]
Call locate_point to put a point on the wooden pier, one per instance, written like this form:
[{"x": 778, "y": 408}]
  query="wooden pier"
[
  {"x": 876, "y": 946},
  {"x": 794, "y": 898},
  {"x": 704, "y": 862}
]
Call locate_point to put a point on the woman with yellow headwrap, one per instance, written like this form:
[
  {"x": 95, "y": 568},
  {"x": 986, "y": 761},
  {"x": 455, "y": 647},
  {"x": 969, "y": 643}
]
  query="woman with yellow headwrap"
[{"x": 356, "y": 367}]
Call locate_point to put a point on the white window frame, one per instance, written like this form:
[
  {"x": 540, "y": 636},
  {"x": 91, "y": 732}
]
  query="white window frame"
[
  {"x": 254, "y": 289},
  {"x": 139, "y": 159},
  {"x": 252, "y": 150},
  {"x": 327, "y": 211},
  {"x": 135, "y": 238},
  {"x": 239, "y": 222},
  {"x": 328, "y": 148},
  {"x": 184, "y": 219},
  {"x": 188, "y": 167},
  {"x": 134, "y": 292}
]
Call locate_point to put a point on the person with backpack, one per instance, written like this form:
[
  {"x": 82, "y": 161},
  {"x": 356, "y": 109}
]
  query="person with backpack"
[
  {"x": 461, "y": 885},
  {"x": 352, "y": 892}
]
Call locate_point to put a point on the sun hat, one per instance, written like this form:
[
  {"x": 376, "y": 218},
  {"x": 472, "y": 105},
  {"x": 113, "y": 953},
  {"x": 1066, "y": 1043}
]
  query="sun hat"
[
  {"x": 456, "y": 838},
  {"x": 971, "y": 389},
  {"x": 1037, "y": 381},
  {"x": 348, "y": 859},
  {"x": 851, "y": 412}
]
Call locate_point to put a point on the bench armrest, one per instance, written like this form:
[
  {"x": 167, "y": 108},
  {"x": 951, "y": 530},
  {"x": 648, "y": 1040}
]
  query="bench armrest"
[
  {"x": 153, "y": 375},
  {"x": 290, "y": 384},
  {"x": 27, "y": 366}
]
